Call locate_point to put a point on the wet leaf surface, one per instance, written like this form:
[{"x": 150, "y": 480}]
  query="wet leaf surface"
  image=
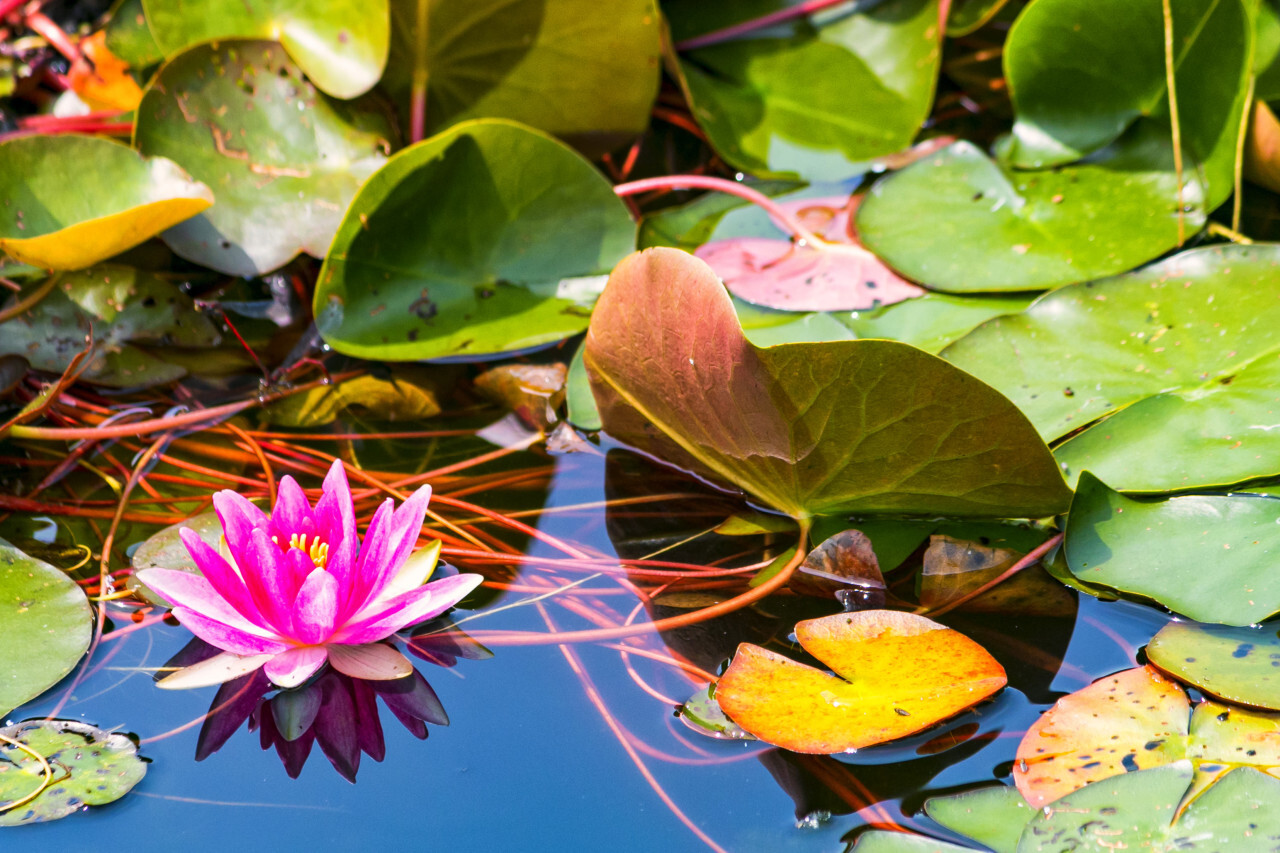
[
  {"x": 991, "y": 816},
  {"x": 341, "y": 45},
  {"x": 843, "y": 566},
  {"x": 954, "y": 568},
  {"x": 871, "y": 698},
  {"x": 408, "y": 394},
  {"x": 1239, "y": 665},
  {"x": 482, "y": 271},
  {"x": 807, "y": 428},
  {"x": 45, "y": 621},
  {"x": 118, "y": 199},
  {"x": 92, "y": 767},
  {"x": 283, "y": 159},
  {"x": 1209, "y": 557}
]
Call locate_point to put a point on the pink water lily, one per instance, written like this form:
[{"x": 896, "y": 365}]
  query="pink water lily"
[{"x": 295, "y": 589}]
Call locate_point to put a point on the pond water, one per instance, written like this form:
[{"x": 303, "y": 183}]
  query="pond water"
[{"x": 528, "y": 762}]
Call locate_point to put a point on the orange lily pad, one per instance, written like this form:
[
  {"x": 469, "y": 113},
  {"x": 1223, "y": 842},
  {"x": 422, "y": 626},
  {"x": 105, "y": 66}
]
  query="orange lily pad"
[{"x": 895, "y": 674}]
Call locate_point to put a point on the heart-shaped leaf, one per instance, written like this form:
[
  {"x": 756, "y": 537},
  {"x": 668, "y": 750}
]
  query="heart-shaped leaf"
[
  {"x": 1063, "y": 114},
  {"x": 573, "y": 68},
  {"x": 494, "y": 263},
  {"x": 872, "y": 697},
  {"x": 46, "y": 623},
  {"x": 340, "y": 44},
  {"x": 1239, "y": 664},
  {"x": 1209, "y": 557},
  {"x": 871, "y": 426},
  {"x": 815, "y": 95},
  {"x": 1169, "y": 342},
  {"x": 283, "y": 159},
  {"x": 116, "y": 200},
  {"x": 1134, "y": 720},
  {"x": 93, "y": 767}
]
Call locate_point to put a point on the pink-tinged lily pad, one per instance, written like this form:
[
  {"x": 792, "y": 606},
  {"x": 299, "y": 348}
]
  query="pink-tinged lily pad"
[
  {"x": 895, "y": 674},
  {"x": 807, "y": 428},
  {"x": 837, "y": 274},
  {"x": 1136, "y": 720}
]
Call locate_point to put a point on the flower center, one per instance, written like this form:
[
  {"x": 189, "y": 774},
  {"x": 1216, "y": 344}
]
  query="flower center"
[{"x": 318, "y": 552}]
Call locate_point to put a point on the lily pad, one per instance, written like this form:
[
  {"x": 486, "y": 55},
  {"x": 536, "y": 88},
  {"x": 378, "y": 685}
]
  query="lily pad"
[
  {"x": 124, "y": 310},
  {"x": 1135, "y": 720},
  {"x": 1208, "y": 557},
  {"x": 704, "y": 715},
  {"x": 1238, "y": 664},
  {"x": 870, "y": 426},
  {"x": 341, "y": 45},
  {"x": 1081, "y": 72},
  {"x": 1193, "y": 319},
  {"x": 935, "y": 320},
  {"x": 91, "y": 767},
  {"x": 117, "y": 200},
  {"x": 572, "y": 68},
  {"x": 46, "y": 623},
  {"x": 407, "y": 395},
  {"x": 813, "y": 96},
  {"x": 961, "y": 222},
  {"x": 496, "y": 261},
  {"x": 872, "y": 697},
  {"x": 992, "y": 816},
  {"x": 283, "y": 159},
  {"x": 969, "y": 15}
]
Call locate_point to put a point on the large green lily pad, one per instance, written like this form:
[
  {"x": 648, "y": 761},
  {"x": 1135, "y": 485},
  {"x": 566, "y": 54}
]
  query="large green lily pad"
[
  {"x": 1239, "y": 664},
  {"x": 1209, "y": 557},
  {"x": 91, "y": 768},
  {"x": 283, "y": 159},
  {"x": 474, "y": 241},
  {"x": 46, "y": 623},
  {"x": 961, "y": 222},
  {"x": 340, "y": 44},
  {"x": 125, "y": 310},
  {"x": 992, "y": 816},
  {"x": 573, "y": 68},
  {"x": 1189, "y": 321},
  {"x": 1065, "y": 112},
  {"x": 813, "y": 96},
  {"x": 116, "y": 200},
  {"x": 870, "y": 426}
]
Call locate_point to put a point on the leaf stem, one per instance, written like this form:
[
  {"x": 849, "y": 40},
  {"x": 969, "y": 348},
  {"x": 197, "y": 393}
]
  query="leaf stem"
[
  {"x": 36, "y": 295},
  {"x": 1171, "y": 82},
  {"x": 706, "y": 182},
  {"x": 418, "y": 88}
]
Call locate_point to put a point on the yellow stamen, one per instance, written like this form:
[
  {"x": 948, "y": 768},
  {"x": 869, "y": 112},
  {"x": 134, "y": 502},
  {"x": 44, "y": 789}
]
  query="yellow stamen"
[{"x": 318, "y": 552}]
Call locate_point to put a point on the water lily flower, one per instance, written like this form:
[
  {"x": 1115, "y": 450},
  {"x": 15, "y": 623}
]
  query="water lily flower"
[{"x": 290, "y": 591}]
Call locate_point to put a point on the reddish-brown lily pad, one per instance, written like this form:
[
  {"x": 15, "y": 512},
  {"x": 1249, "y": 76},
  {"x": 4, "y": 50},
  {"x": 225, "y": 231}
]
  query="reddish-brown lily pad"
[{"x": 895, "y": 674}]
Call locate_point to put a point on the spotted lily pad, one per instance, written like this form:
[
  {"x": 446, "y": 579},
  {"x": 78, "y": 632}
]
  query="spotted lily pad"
[
  {"x": 91, "y": 767},
  {"x": 117, "y": 200},
  {"x": 1237, "y": 664},
  {"x": 46, "y": 623},
  {"x": 872, "y": 697},
  {"x": 1134, "y": 720}
]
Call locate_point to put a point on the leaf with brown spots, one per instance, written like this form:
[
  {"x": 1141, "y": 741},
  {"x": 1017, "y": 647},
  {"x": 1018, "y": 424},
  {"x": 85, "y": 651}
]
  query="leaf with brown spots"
[{"x": 895, "y": 674}]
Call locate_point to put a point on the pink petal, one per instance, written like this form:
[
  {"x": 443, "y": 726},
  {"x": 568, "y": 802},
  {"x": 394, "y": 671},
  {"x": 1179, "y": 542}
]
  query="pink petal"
[
  {"x": 336, "y": 521},
  {"x": 220, "y": 574},
  {"x": 418, "y": 605},
  {"x": 316, "y": 608},
  {"x": 372, "y": 661},
  {"x": 195, "y": 593},
  {"x": 291, "y": 668},
  {"x": 239, "y": 518},
  {"x": 406, "y": 524},
  {"x": 373, "y": 554},
  {"x": 216, "y": 670},
  {"x": 268, "y": 577},
  {"x": 226, "y": 637},
  {"x": 292, "y": 512}
]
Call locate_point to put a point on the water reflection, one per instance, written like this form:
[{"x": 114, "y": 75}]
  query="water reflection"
[{"x": 336, "y": 712}]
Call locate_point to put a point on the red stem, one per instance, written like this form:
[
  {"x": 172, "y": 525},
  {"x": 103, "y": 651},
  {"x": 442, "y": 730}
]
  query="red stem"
[
  {"x": 706, "y": 182},
  {"x": 732, "y": 32},
  {"x": 53, "y": 34}
]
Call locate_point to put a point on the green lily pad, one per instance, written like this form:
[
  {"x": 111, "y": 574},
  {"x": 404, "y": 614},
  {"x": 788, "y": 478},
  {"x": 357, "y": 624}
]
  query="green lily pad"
[
  {"x": 572, "y": 68},
  {"x": 816, "y": 95},
  {"x": 283, "y": 159},
  {"x": 992, "y": 816},
  {"x": 969, "y": 15},
  {"x": 703, "y": 714},
  {"x": 117, "y": 200},
  {"x": 341, "y": 45},
  {"x": 126, "y": 310},
  {"x": 128, "y": 36},
  {"x": 1239, "y": 664},
  {"x": 883, "y": 841},
  {"x": 961, "y": 222},
  {"x": 46, "y": 623},
  {"x": 501, "y": 258},
  {"x": 933, "y": 321},
  {"x": 1208, "y": 557},
  {"x": 1194, "y": 319},
  {"x": 1064, "y": 114},
  {"x": 870, "y": 426},
  {"x": 91, "y": 768},
  {"x": 579, "y": 403}
]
